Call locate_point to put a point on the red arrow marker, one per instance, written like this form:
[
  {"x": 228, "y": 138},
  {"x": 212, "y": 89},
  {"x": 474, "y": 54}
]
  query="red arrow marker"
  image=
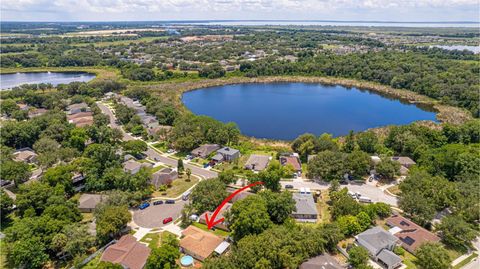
[{"x": 211, "y": 221}]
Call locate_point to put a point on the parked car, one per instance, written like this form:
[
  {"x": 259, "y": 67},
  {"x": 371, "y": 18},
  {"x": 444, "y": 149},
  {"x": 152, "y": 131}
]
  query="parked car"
[
  {"x": 167, "y": 220},
  {"x": 170, "y": 202},
  {"x": 170, "y": 151},
  {"x": 365, "y": 199},
  {"x": 206, "y": 165},
  {"x": 288, "y": 186},
  {"x": 188, "y": 157},
  {"x": 144, "y": 205},
  {"x": 186, "y": 196},
  {"x": 158, "y": 202}
]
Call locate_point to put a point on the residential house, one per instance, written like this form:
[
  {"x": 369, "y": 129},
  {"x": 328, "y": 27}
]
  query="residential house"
[
  {"x": 35, "y": 112},
  {"x": 26, "y": 155},
  {"x": 324, "y": 261},
  {"x": 410, "y": 234},
  {"x": 77, "y": 108},
  {"x": 133, "y": 167},
  {"x": 81, "y": 119},
  {"x": 240, "y": 196},
  {"x": 88, "y": 202},
  {"x": 164, "y": 176},
  {"x": 380, "y": 244},
  {"x": 305, "y": 208},
  {"x": 226, "y": 154},
  {"x": 205, "y": 150},
  {"x": 292, "y": 160},
  {"x": 257, "y": 162},
  {"x": 127, "y": 252},
  {"x": 199, "y": 244},
  {"x": 23, "y": 107},
  {"x": 222, "y": 225},
  {"x": 405, "y": 164}
]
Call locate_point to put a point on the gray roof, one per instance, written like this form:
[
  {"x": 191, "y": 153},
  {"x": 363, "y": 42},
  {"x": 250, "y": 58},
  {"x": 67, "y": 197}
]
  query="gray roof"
[
  {"x": 389, "y": 258},
  {"x": 257, "y": 162},
  {"x": 90, "y": 201},
  {"x": 205, "y": 150},
  {"x": 403, "y": 160},
  {"x": 376, "y": 239},
  {"x": 217, "y": 157},
  {"x": 228, "y": 151},
  {"x": 323, "y": 261},
  {"x": 304, "y": 204}
]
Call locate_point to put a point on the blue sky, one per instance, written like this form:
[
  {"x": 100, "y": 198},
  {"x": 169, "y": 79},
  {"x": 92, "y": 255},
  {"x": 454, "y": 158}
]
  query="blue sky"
[{"x": 363, "y": 10}]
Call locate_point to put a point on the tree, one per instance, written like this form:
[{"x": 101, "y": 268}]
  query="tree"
[
  {"x": 364, "y": 220},
  {"x": 249, "y": 217},
  {"x": 357, "y": 256},
  {"x": 304, "y": 145},
  {"x": 8, "y": 107},
  {"x": 417, "y": 207},
  {"x": 367, "y": 141},
  {"x": 188, "y": 171},
  {"x": 135, "y": 147},
  {"x": 326, "y": 142},
  {"x": 109, "y": 265},
  {"x": 61, "y": 174},
  {"x": 227, "y": 176},
  {"x": 358, "y": 163},
  {"x": 456, "y": 232},
  {"x": 279, "y": 205},
  {"x": 328, "y": 165},
  {"x": 6, "y": 204},
  {"x": 17, "y": 172},
  {"x": 349, "y": 225},
  {"x": 180, "y": 166},
  {"x": 163, "y": 257},
  {"x": 77, "y": 242},
  {"x": 342, "y": 204},
  {"x": 271, "y": 176},
  {"x": 350, "y": 143},
  {"x": 432, "y": 256},
  {"x": 27, "y": 253},
  {"x": 388, "y": 168},
  {"x": 111, "y": 220},
  {"x": 208, "y": 194}
]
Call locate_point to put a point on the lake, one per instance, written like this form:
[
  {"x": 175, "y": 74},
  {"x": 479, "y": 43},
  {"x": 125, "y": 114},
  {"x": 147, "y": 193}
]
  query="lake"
[
  {"x": 8, "y": 81},
  {"x": 286, "y": 110}
]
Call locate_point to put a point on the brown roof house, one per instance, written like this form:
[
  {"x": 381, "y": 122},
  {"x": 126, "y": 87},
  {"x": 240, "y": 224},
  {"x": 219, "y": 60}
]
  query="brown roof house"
[
  {"x": 323, "y": 261},
  {"x": 222, "y": 225},
  {"x": 88, "y": 202},
  {"x": 292, "y": 160},
  {"x": 26, "y": 155},
  {"x": 405, "y": 163},
  {"x": 164, "y": 176},
  {"x": 257, "y": 162},
  {"x": 204, "y": 150},
  {"x": 410, "y": 234},
  {"x": 200, "y": 244},
  {"x": 35, "y": 112},
  {"x": 127, "y": 252},
  {"x": 133, "y": 167},
  {"x": 81, "y": 119}
]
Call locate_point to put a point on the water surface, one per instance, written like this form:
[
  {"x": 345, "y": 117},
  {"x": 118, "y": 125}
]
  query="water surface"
[
  {"x": 8, "y": 81},
  {"x": 286, "y": 110}
]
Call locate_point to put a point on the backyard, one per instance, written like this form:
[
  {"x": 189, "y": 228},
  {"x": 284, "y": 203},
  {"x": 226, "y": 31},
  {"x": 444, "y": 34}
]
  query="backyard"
[{"x": 179, "y": 186}]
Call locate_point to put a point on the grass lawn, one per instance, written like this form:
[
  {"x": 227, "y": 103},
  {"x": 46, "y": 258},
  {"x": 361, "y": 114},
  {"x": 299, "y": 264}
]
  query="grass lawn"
[
  {"x": 3, "y": 255},
  {"x": 409, "y": 260},
  {"x": 152, "y": 239},
  {"x": 93, "y": 263},
  {"x": 323, "y": 207},
  {"x": 87, "y": 217},
  {"x": 162, "y": 146},
  {"x": 454, "y": 253},
  {"x": 466, "y": 261},
  {"x": 218, "y": 232},
  {"x": 157, "y": 168},
  {"x": 179, "y": 186}
]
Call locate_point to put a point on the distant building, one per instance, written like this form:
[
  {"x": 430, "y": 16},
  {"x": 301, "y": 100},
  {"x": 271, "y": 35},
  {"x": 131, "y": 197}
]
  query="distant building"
[
  {"x": 36, "y": 112},
  {"x": 164, "y": 176},
  {"x": 257, "y": 162},
  {"x": 293, "y": 160},
  {"x": 323, "y": 261},
  {"x": 26, "y": 155},
  {"x": 380, "y": 244},
  {"x": 410, "y": 234},
  {"x": 226, "y": 154},
  {"x": 405, "y": 164},
  {"x": 77, "y": 108},
  {"x": 127, "y": 252},
  {"x": 205, "y": 150},
  {"x": 133, "y": 167},
  {"x": 200, "y": 244},
  {"x": 222, "y": 225},
  {"x": 305, "y": 208},
  {"x": 81, "y": 119},
  {"x": 88, "y": 202}
]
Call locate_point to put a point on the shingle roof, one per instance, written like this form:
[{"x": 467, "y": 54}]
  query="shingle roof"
[
  {"x": 410, "y": 234},
  {"x": 304, "y": 204},
  {"x": 257, "y": 162},
  {"x": 131, "y": 165},
  {"x": 389, "y": 258},
  {"x": 227, "y": 151},
  {"x": 23, "y": 155},
  {"x": 199, "y": 242},
  {"x": 90, "y": 201},
  {"x": 323, "y": 261},
  {"x": 375, "y": 239},
  {"x": 127, "y": 252},
  {"x": 406, "y": 161},
  {"x": 293, "y": 160},
  {"x": 205, "y": 150}
]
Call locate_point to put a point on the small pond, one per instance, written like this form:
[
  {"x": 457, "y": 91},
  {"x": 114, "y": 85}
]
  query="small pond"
[
  {"x": 8, "y": 81},
  {"x": 286, "y": 110}
]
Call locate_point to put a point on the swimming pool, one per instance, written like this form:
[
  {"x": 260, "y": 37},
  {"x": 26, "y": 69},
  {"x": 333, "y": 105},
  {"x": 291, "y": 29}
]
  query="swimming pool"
[{"x": 186, "y": 260}]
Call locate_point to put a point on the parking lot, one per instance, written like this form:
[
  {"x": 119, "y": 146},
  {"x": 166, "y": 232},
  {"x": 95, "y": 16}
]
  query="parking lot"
[{"x": 153, "y": 216}]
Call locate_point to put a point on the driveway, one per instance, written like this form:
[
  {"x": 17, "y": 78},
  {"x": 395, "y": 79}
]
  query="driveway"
[
  {"x": 105, "y": 110},
  {"x": 153, "y": 216},
  {"x": 374, "y": 193}
]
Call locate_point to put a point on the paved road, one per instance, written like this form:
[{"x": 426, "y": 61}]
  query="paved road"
[
  {"x": 113, "y": 124},
  {"x": 374, "y": 193},
  {"x": 153, "y": 216}
]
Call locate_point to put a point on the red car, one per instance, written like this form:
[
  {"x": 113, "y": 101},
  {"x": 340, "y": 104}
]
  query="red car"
[{"x": 167, "y": 220}]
